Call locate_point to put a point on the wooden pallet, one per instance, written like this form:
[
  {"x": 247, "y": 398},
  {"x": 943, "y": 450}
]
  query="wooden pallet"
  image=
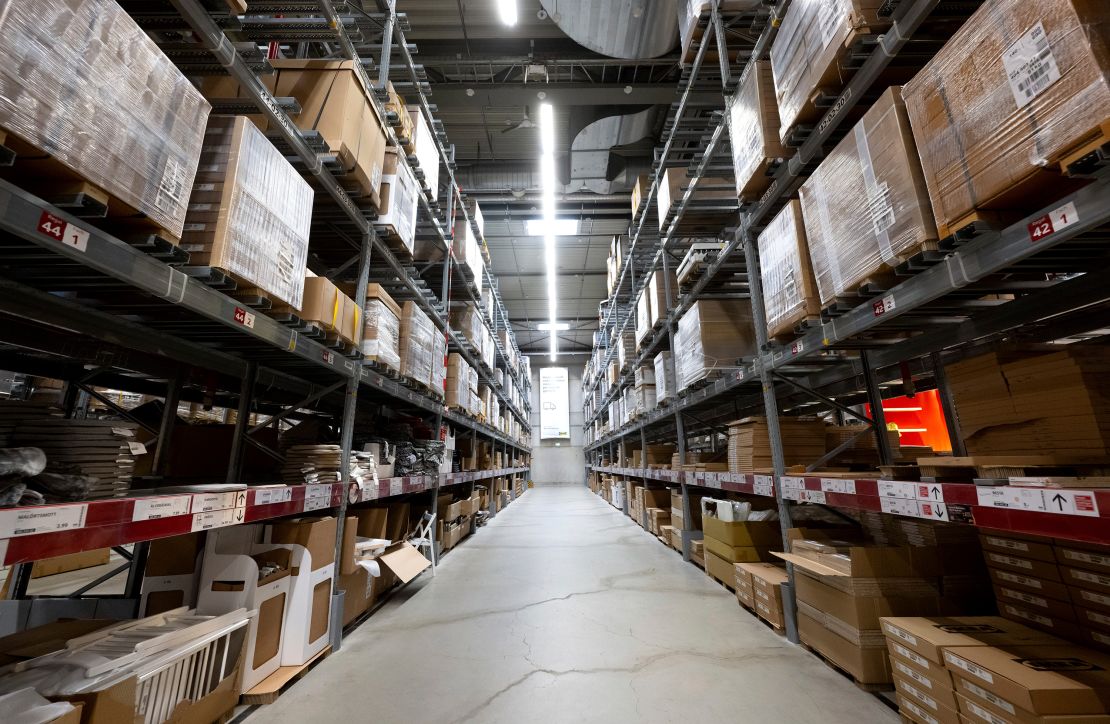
[
  {"x": 730, "y": 585},
  {"x": 869, "y": 688},
  {"x": 273, "y": 686}
]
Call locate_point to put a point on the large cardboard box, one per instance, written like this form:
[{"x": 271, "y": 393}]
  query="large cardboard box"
[
  {"x": 743, "y": 533},
  {"x": 697, "y": 216},
  {"x": 929, "y": 637},
  {"x": 70, "y": 562},
  {"x": 1016, "y": 88},
  {"x": 714, "y": 335},
  {"x": 737, "y": 554},
  {"x": 866, "y": 207},
  {"x": 719, "y": 568},
  {"x": 866, "y": 665},
  {"x": 937, "y": 704},
  {"x": 331, "y": 309},
  {"x": 753, "y": 125},
  {"x": 789, "y": 289}
]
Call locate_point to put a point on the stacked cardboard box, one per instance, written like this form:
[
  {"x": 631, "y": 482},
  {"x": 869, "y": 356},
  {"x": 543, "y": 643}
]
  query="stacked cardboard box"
[
  {"x": 766, "y": 591},
  {"x": 417, "y": 346},
  {"x": 1027, "y": 403},
  {"x": 427, "y": 154},
  {"x": 462, "y": 384},
  {"x": 844, "y": 588},
  {"x": 664, "y": 378},
  {"x": 659, "y": 304},
  {"x": 643, "y": 319},
  {"x": 866, "y": 207},
  {"x": 381, "y": 330},
  {"x": 672, "y": 188},
  {"x": 625, "y": 343},
  {"x": 789, "y": 289},
  {"x": 398, "y": 205},
  {"x": 931, "y": 690},
  {"x": 812, "y": 54},
  {"x": 639, "y": 190},
  {"x": 989, "y": 138},
  {"x": 729, "y": 540},
  {"x": 749, "y": 446},
  {"x": 713, "y": 336},
  {"x": 753, "y": 125},
  {"x": 745, "y": 588},
  {"x": 323, "y": 304}
]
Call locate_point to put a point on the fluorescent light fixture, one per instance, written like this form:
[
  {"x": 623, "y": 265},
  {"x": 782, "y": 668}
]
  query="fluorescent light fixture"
[
  {"x": 561, "y": 227},
  {"x": 546, "y": 327},
  {"x": 507, "y": 10},
  {"x": 547, "y": 173}
]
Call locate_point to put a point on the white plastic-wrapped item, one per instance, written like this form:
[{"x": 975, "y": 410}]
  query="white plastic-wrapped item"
[
  {"x": 713, "y": 336},
  {"x": 468, "y": 246},
  {"x": 753, "y": 126},
  {"x": 427, "y": 155},
  {"x": 866, "y": 206},
  {"x": 250, "y": 211},
  {"x": 1020, "y": 88},
  {"x": 643, "y": 318},
  {"x": 664, "y": 377},
  {"x": 82, "y": 82},
  {"x": 812, "y": 52},
  {"x": 398, "y": 202},
  {"x": 489, "y": 352},
  {"x": 439, "y": 362},
  {"x": 658, "y": 301},
  {"x": 626, "y": 348},
  {"x": 789, "y": 289},
  {"x": 381, "y": 330},
  {"x": 417, "y": 345}
]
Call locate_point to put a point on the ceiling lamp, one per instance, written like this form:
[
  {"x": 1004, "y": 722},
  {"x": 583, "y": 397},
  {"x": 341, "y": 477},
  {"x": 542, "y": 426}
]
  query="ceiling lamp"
[
  {"x": 507, "y": 10},
  {"x": 547, "y": 175}
]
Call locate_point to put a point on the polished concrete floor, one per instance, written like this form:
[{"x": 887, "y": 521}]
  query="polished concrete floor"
[{"x": 563, "y": 610}]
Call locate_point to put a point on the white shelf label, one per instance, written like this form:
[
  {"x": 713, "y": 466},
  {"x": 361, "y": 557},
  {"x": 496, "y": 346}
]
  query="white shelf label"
[
  {"x": 764, "y": 487},
  {"x": 898, "y": 489},
  {"x": 813, "y": 496},
  {"x": 396, "y": 486},
  {"x": 836, "y": 485},
  {"x": 929, "y": 491},
  {"x": 317, "y": 497},
  {"x": 1071, "y": 502},
  {"x": 207, "y": 502},
  {"x": 273, "y": 496},
  {"x": 788, "y": 482},
  {"x": 899, "y": 506},
  {"x": 163, "y": 507},
  {"x": 932, "y": 511},
  {"x": 45, "y": 519},
  {"x": 217, "y": 518}
]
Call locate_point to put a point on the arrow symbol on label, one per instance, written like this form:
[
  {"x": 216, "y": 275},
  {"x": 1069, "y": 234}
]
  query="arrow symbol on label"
[
  {"x": 239, "y": 515},
  {"x": 1059, "y": 500},
  {"x": 242, "y": 499},
  {"x": 939, "y": 512},
  {"x": 936, "y": 492}
]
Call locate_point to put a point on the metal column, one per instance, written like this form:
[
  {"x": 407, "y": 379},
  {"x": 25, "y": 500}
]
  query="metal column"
[
  {"x": 242, "y": 420},
  {"x": 874, "y": 398},
  {"x": 688, "y": 535},
  {"x": 774, "y": 433}
]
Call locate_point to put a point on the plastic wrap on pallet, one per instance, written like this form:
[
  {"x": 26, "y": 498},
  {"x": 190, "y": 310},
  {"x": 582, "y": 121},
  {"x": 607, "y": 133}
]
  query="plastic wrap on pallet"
[
  {"x": 626, "y": 348},
  {"x": 427, "y": 155},
  {"x": 789, "y": 289},
  {"x": 1018, "y": 88},
  {"x": 657, "y": 294},
  {"x": 466, "y": 318},
  {"x": 807, "y": 53},
  {"x": 250, "y": 211},
  {"x": 83, "y": 83},
  {"x": 753, "y": 126},
  {"x": 417, "y": 345},
  {"x": 664, "y": 377},
  {"x": 489, "y": 352},
  {"x": 643, "y": 317},
  {"x": 381, "y": 333},
  {"x": 439, "y": 362},
  {"x": 467, "y": 245},
  {"x": 398, "y": 205},
  {"x": 866, "y": 205},
  {"x": 644, "y": 375},
  {"x": 713, "y": 336}
]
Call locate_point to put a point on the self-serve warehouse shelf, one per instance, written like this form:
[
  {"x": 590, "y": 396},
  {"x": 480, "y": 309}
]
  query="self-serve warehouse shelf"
[
  {"x": 44, "y": 531},
  {"x": 1081, "y": 515}
]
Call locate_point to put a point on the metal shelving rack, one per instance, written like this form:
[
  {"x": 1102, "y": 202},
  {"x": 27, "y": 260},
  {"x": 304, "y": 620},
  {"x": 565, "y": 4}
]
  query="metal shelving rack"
[
  {"x": 106, "y": 312},
  {"x": 843, "y": 361}
]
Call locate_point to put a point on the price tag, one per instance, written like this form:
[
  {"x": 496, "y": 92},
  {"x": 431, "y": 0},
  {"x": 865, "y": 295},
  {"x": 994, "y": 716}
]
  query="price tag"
[
  {"x": 272, "y": 496},
  {"x": 882, "y": 306},
  {"x": 768, "y": 480},
  {"x": 897, "y": 489},
  {"x": 41, "y": 519},
  {"x": 244, "y": 317},
  {"x": 1009, "y": 497},
  {"x": 204, "y": 502},
  {"x": 1052, "y": 222},
  {"x": 797, "y": 347},
  {"x": 217, "y": 519},
  {"x": 162, "y": 507},
  {"x": 789, "y": 483},
  {"x": 59, "y": 229},
  {"x": 329, "y": 357}
]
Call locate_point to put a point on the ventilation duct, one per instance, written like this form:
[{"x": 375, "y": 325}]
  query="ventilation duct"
[{"x": 628, "y": 29}]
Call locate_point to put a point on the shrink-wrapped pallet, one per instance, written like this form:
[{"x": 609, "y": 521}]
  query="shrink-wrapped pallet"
[
  {"x": 466, "y": 318},
  {"x": 643, "y": 318},
  {"x": 713, "y": 336},
  {"x": 810, "y": 55},
  {"x": 1021, "y": 86},
  {"x": 789, "y": 289},
  {"x": 689, "y": 29},
  {"x": 398, "y": 205},
  {"x": 660, "y": 303},
  {"x": 417, "y": 345},
  {"x": 250, "y": 211},
  {"x": 381, "y": 330},
  {"x": 468, "y": 245},
  {"x": 753, "y": 126},
  {"x": 866, "y": 207},
  {"x": 439, "y": 363},
  {"x": 427, "y": 154},
  {"x": 664, "y": 377},
  {"x": 81, "y": 82},
  {"x": 709, "y": 207}
]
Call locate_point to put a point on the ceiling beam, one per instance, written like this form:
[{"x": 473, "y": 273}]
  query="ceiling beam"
[{"x": 448, "y": 95}]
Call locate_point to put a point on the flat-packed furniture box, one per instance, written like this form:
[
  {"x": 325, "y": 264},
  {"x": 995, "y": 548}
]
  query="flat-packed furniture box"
[
  {"x": 1034, "y": 403},
  {"x": 417, "y": 345},
  {"x": 1017, "y": 90},
  {"x": 121, "y": 118},
  {"x": 335, "y": 105},
  {"x": 664, "y": 378},
  {"x": 249, "y": 212},
  {"x": 713, "y": 336},
  {"x": 749, "y": 446},
  {"x": 381, "y": 329},
  {"x": 720, "y": 569},
  {"x": 767, "y": 580},
  {"x": 468, "y": 246},
  {"x": 702, "y": 213},
  {"x": 659, "y": 304},
  {"x": 753, "y": 125},
  {"x": 745, "y": 590},
  {"x": 325, "y": 305},
  {"x": 70, "y": 562},
  {"x": 398, "y": 205},
  {"x": 639, "y": 190},
  {"x": 790, "y": 294},
  {"x": 427, "y": 154},
  {"x": 866, "y": 207},
  {"x": 812, "y": 55},
  {"x": 643, "y": 317}
]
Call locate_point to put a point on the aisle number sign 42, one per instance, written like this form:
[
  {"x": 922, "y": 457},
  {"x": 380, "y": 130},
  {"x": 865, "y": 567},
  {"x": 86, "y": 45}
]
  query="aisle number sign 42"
[{"x": 1052, "y": 222}]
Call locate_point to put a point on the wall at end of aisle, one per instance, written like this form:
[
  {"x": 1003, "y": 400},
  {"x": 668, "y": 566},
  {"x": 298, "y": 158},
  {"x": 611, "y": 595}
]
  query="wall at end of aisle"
[{"x": 558, "y": 461}]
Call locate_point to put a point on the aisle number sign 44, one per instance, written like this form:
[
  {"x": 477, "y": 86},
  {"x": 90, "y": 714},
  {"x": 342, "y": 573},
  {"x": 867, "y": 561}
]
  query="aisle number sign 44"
[
  {"x": 61, "y": 230},
  {"x": 1054, "y": 221}
]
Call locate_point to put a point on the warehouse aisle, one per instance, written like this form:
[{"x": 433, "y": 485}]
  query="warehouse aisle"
[{"x": 563, "y": 610}]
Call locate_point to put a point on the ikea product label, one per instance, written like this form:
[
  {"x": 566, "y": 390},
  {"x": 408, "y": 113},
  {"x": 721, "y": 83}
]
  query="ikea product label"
[{"x": 1030, "y": 65}]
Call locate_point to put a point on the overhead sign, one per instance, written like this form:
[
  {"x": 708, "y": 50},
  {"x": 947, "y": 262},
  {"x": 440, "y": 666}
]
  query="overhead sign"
[{"x": 554, "y": 403}]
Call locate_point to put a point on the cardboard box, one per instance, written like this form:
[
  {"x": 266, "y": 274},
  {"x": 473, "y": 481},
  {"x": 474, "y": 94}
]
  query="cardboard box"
[
  {"x": 1098, "y": 600},
  {"x": 939, "y": 704},
  {"x": 1076, "y": 556},
  {"x": 929, "y": 678},
  {"x": 1022, "y": 566},
  {"x": 929, "y": 637},
  {"x": 1063, "y": 679},
  {"x": 753, "y": 124},
  {"x": 867, "y": 666},
  {"x": 1029, "y": 547},
  {"x": 915, "y": 710},
  {"x": 316, "y": 535},
  {"x": 743, "y": 533},
  {"x": 719, "y": 568},
  {"x": 790, "y": 293},
  {"x": 1038, "y": 618},
  {"x": 737, "y": 554},
  {"x": 1047, "y": 606},
  {"x": 331, "y": 309},
  {"x": 1029, "y": 584},
  {"x": 70, "y": 562},
  {"x": 172, "y": 572},
  {"x": 989, "y": 136},
  {"x": 713, "y": 335},
  {"x": 1081, "y": 578}
]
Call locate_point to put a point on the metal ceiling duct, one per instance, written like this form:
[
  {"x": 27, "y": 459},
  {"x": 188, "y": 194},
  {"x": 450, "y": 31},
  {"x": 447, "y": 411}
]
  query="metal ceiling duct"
[{"x": 618, "y": 28}]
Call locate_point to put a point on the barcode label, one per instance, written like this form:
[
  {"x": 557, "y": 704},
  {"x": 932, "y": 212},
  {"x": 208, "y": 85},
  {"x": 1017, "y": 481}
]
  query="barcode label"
[
  {"x": 1030, "y": 65},
  {"x": 969, "y": 667},
  {"x": 911, "y": 655},
  {"x": 880, "y": 208},
  {"x": 988, "y": 696},
  {"x": 171, "y": 190}
]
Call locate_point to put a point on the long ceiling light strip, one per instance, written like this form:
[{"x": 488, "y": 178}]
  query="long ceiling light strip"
[{"x": 547, "y": 172}]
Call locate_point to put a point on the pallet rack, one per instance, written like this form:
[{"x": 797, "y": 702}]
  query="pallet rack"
[
  {"x": 130, "y": 314},
  {"x": 844, "y": 360}
]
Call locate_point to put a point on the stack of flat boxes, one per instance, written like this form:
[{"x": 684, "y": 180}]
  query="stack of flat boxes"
[
  {"x": 989, "y": 669},
  {"x": 759, "y": 588},
  {"x": 1062, "y": 587},
  {"x": 644, "y": 380}
]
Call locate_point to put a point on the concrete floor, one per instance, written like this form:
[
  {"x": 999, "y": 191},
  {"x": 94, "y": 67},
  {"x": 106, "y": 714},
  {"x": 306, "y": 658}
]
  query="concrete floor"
[{"x": 563, "y": 610}]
